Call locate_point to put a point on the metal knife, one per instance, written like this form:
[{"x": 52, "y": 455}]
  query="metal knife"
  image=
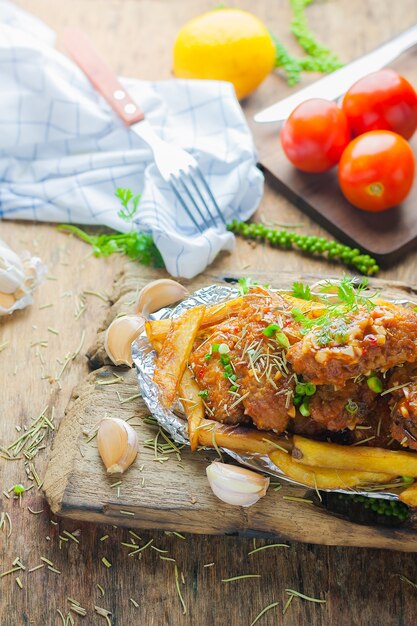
[{"x": 335, "y": 84}]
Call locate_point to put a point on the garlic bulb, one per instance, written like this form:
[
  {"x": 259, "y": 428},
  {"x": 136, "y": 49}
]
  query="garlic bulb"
[
  {"x": 12, "y": 274},
  {"x": 117, "y": 444},
  {"x": 236, "y": 485},
  {"x": 157, "y": 294},
  {"x": 19, "y": 275},
  {"x": 119, "y": 336},
  {"x": 7, "y": 300}
]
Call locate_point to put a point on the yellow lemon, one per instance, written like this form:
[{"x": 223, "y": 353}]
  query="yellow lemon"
[{"x": 225, "y": 44}]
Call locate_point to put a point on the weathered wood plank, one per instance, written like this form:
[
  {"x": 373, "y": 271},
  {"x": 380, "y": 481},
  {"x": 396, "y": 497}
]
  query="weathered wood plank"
[{"x": 169, "y": 497}]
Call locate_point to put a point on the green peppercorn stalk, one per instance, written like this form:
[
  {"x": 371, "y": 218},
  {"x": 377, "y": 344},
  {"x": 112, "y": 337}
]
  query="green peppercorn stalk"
[
  {"x": 380, "y": 506},
  {"x": 310, "y": 244}
]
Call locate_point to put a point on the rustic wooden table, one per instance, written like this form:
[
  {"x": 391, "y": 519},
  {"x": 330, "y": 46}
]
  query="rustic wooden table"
[{"x": 361, "y": 587}]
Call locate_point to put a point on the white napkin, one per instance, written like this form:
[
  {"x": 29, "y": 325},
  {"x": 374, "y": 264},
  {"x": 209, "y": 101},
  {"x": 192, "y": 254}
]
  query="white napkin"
[{"x": 63, "y": 152}]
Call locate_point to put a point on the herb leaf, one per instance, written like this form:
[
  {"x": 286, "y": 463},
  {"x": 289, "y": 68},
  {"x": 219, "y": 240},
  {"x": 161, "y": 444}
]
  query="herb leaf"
[
  {"x": 126, "y": 197},
  {"x": 137, "y": 245},
  {"x": 245, "y": 284},
  {"x": 301, "y": 291}
]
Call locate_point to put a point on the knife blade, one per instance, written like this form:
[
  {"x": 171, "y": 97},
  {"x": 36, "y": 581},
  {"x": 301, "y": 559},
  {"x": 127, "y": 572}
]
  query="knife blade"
[{"x": 335, "y": 84}]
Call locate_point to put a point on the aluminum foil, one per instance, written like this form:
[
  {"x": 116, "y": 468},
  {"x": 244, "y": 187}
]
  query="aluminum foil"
[{"x": 173, "y": 420}]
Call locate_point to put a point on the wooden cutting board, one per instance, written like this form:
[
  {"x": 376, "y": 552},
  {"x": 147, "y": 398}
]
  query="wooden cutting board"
[
  {"x": 386, "y": 236},
  {"x": 173, "y": 496}
]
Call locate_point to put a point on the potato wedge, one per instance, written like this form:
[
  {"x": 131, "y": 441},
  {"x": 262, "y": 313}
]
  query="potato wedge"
[
  {"x": 324, "y": 478},
  {"x": 239, "y": 438},
  {"x": 176, "y": 349},
  {"x": 409, "y": 495},
  {"x": 332, "y": 455},
  {"x": 157, "y": 330},
  {"x": 193, "y": 406}
]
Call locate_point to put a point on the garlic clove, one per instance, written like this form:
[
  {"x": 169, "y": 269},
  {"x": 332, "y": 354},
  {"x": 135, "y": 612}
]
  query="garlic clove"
[
  {"x": 158, "y": 294},
  {"x": 12, "y": 273},
  {"x": 7, "y": 300},
  {"x": 236, "y": 485},
  {"x": 236, "y": 499},
  {"x": 119, "y": 336},
  {"x": 117, "y": 444}
]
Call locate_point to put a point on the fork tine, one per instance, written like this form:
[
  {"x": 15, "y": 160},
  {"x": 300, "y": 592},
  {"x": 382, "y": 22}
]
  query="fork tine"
[
  {"x": 209, "y": 192},
  {"x": 182, "y": 179},
  {"x": 185, "y": 207}
]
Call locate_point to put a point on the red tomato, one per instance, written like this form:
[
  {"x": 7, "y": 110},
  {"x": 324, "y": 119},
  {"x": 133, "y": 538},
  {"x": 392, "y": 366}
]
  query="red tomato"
[
  {"x": 315, "y": 135},
  {"x": 376, "y": 170},
  {"x": 383, "y": 100}
]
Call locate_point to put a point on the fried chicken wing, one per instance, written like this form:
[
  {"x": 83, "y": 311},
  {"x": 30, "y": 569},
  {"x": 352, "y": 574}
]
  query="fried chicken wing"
[
  {"x": 376, "y": 339},
  {"x": 336, "y": 409},
  {"x": 403, "y": 404},
  {"x": 259, "y": 385}
]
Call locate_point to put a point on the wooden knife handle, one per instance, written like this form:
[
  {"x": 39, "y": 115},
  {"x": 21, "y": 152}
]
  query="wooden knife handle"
[{"x": 101, "y": 75}]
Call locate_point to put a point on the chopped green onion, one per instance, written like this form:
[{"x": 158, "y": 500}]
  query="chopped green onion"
[
  {"x": 351, "y": 407},
  {"x": 203, "y": 394},
  {"x": 233, "y": 377},
  {"x": 300, "y": 389},
  {"x": 270, "y": 330},
  {"x": 304, "y": 408},
  {"x": 283, "y": 340},
  {"x": 18, "y": 489},
  {"x": 375, "y": 384},
  {"x": 309, "y": 389},
  {"x": 224, "y": 359},
  {"x": 233, "y": 388},
  {"x": 224, "y": 348},
  {"x": 215, "y": 347},
  {"x": 207, "y": 356},
  {"x": 297, "y": 400}
]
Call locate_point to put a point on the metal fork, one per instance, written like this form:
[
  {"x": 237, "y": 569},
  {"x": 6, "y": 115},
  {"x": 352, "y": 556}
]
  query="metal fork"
[{"x": 176, "y": 166}]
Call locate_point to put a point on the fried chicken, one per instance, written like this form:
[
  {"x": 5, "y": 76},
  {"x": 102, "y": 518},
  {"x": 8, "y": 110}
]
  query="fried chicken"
[
  {"x": 376, "y": 339},
  {"x": 403, "y": 404},
  {"x": 262, "y": 391},
  {"x": 342, "y": 408}
]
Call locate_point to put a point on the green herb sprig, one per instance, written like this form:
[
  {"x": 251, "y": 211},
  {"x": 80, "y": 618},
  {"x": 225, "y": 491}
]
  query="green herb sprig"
[
  {"x": 301, "y": 291},
  {"x": 309, "y": 244},
  {"x": 319, "y": 58},
  {"x": 135, "y": 244},
  {"x": 307, "y": 39},
  {"x": 332, "y": 324}
]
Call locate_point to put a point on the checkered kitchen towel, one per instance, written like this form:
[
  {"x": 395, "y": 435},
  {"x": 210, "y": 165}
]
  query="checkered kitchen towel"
[{"x": 63, "y": 152}]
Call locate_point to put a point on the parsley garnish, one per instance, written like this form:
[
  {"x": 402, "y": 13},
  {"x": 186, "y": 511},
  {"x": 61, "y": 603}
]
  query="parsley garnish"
[
  {"x": 137, "y": 245},
  {"x": 333, "y": 324},
  {"x": 126, "y": 197},
  {"x": 245, "y": 284},
  {"x": 203, "y": 394},
  {"x": 301, "y": 291}
]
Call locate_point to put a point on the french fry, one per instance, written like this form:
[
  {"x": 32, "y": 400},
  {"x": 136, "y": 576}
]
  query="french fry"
[
  {"x": 176, "y": 349},
  {"x": 239, "y": 438},
  {"x": 324, "y": 478},
  {"x": 193, "y": 406},
  {"x": 332, "y": 455},
  {"x": 409, "y": 495},
  {"x": 156, "y": 330},
  {"x": 309, "y": 307}
]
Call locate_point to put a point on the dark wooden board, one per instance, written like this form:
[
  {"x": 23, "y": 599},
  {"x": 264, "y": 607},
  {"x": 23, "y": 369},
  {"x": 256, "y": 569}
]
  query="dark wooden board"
[
  {"x": 386, "y": 236},
  {"x": 170, "y": 497}
]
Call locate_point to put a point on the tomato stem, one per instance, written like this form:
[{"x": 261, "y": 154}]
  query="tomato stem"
[{"x": 375, "y": 189}]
